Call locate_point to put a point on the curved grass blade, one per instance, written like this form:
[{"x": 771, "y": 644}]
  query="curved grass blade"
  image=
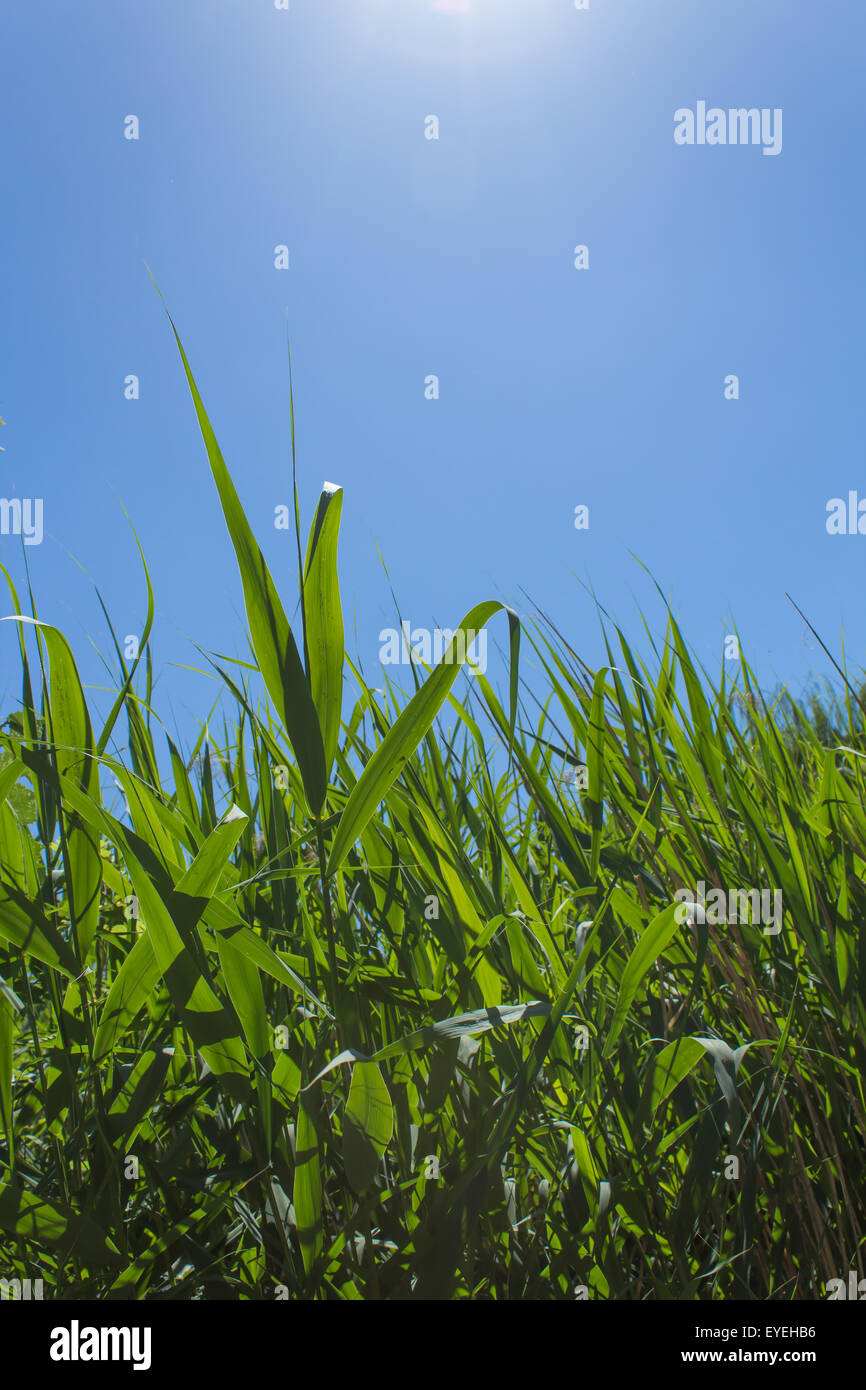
[
  {"x": 137, "y": 1095},
  {"x": 272, "y": 639},
  {"x": 31, "y": 1217},
  {"x": 209, "y": 1022},
  {"x": 24, "y": 926},
  {"x": 307, "y": 1194},
  {"x": 670, "y": 1067},
  {"x": 368, "y": 1125},
  {"x": 140, "y": 972},
  {"x": 142, "y": 646},
  {"x": 465, "y": 1026},
  {"x": 412, "y": 724},
  {"x": 132, "y": 986},
  {"x": 73, "y": 748},
  {"x": 460, "y": 1026},
  {"x": 7, "y": 1040},
  {"x": 324, "y": 620},
  {"x": 595, "y": 751},
  {"x": 660, "y": 932}
]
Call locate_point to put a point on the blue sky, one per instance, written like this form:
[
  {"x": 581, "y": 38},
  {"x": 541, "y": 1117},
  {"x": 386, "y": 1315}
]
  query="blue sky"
[{"x": 455, "y": 257}]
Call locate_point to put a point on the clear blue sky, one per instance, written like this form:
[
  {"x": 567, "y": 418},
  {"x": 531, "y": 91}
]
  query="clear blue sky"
[{"x": 453, "y": 257}]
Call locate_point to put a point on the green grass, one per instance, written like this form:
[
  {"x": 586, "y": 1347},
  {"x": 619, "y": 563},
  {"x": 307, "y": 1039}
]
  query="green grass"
[{"x": 305, "y": 1017}]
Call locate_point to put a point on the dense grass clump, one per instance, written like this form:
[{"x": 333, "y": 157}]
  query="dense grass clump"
[{"x": 383, "y": 997}]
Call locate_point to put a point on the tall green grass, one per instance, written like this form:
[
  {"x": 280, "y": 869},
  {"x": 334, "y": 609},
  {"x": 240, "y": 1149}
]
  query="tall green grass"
[{"x": 376, "y": 997}]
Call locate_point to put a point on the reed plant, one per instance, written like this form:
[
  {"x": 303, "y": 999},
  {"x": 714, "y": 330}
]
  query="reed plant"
[{"x": 375, "y": 994}]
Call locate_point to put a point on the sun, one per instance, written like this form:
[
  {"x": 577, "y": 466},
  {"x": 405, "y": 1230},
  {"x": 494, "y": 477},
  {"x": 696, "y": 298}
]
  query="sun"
[{"x": 466, "y": 32}]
